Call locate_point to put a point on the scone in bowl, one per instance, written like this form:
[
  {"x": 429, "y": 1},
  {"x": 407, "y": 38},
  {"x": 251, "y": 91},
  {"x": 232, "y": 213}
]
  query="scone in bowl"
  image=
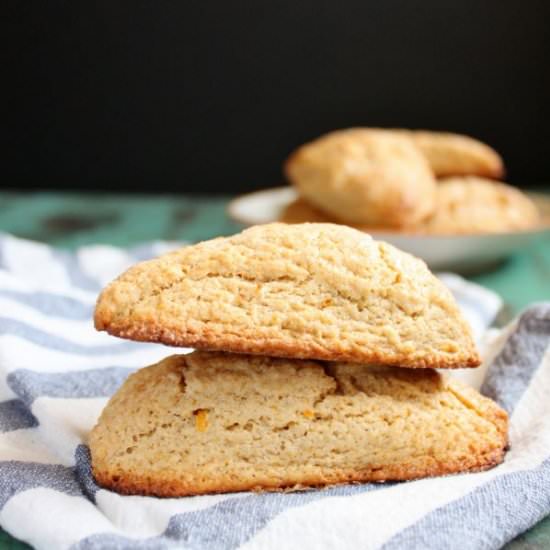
[{"x": 464, "y": 254}]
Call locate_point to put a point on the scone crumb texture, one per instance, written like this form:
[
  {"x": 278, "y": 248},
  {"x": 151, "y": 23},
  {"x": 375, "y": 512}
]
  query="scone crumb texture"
[
  {"x": 281, "y": 423},
  {"x": 311, "y": 291}
]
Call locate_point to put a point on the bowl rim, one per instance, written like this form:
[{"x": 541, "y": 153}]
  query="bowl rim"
[{"x": 537, "y": 197}]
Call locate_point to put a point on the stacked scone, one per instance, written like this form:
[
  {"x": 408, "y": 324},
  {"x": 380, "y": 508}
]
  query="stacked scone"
[
  {"x": 316, "y": 366},
  {"x": 423, "y": 182}
]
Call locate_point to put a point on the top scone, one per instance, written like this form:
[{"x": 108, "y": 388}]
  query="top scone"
[
  {"x": 317, "y": 291},
  {"x": 457, "y": 155},
  {"x": 364, "y": 176}
]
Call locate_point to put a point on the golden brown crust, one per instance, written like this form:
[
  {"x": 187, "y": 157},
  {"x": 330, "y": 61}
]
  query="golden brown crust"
[
  {"x": 212, "y": 341},
  {"x": 308, "y": 291},
  {"x": 131, "y": 484}
]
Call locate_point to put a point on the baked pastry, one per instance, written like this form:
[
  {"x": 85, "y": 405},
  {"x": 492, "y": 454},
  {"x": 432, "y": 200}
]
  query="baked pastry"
[
  {"x": 457, "y": 155},
  {"x": 465, "y": 205},
  {"x": 213, "y": 422},
  {"x": 364, "y": 176},
  {"x": 476, "y": 205},
  {"x": 312, "y": 291},
  {"x": 301, "y": 211}
]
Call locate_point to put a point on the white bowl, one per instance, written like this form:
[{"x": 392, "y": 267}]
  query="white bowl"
[{"x": 458, "y": 253}]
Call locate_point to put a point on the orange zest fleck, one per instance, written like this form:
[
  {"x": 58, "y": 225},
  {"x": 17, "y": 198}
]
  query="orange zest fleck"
[{"x": 201, "y": 419}]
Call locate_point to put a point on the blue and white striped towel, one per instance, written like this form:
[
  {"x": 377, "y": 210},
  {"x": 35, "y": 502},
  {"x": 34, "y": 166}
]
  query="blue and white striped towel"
[{"x": 56, "y": 373}]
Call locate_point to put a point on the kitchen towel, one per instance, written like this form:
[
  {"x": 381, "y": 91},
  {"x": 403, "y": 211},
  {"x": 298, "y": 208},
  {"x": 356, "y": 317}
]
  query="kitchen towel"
[{"x": 56, "y": 373}]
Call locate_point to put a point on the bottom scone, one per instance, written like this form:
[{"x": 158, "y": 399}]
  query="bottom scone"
[
  {"x": 464, "y": 206},
  {"x": 214, "y": 422}
]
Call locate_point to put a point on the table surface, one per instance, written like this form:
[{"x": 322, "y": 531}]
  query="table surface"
[{"x": 69, "y": 220}]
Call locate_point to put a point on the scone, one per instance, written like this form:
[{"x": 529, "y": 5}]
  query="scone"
[
  {"x": 464, "y": 205},
  {"x": 212, "y": 422},
  {"x": 476, "y": 205},
  {"x": 364, "y": 176},
  {"x": 457, "y": 155},
  {"x": 301, "y": 211},
  {"x": 311, "y": 291}
]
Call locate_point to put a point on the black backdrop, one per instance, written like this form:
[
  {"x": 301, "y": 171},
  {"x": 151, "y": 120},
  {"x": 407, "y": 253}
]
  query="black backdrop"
[{"x": 210, "y": 96}]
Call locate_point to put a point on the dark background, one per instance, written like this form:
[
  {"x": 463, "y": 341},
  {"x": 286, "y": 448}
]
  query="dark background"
[{"x": 211, "y": 96}]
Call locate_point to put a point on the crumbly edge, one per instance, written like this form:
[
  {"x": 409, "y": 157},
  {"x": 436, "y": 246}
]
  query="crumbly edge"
[
  {"x": 129, "y": 483},
  {"x": 210, "y": 341}
]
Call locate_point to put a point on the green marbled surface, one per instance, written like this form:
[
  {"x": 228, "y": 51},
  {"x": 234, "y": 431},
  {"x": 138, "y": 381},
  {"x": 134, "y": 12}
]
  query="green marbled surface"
[{"x": 69, "y": 220}]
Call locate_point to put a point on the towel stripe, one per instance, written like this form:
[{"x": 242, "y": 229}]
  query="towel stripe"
[
  {"x": 14, "y": 415},
  {"x": 76, "y": 275},
  {"x": 30, "y": 385},
  {"x": 51, "y": 304},
  {"x": 226, "y": 525},
  {"x": 42, "y": 338},
  {"x": 514, "y": 367},
  {"x": 21, "y": 476},
  {"x": 504, "y": 507}
]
